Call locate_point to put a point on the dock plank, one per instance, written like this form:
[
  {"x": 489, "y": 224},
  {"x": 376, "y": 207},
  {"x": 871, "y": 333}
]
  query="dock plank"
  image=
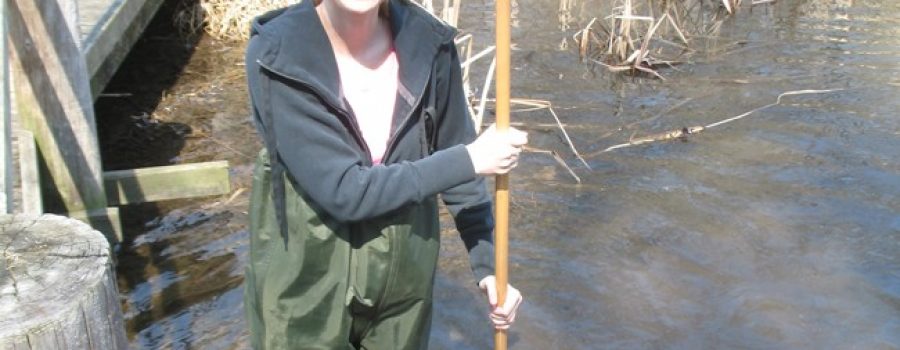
[
  {"x": 90, "y": 13},
  {"x": 109, "y": 29}
]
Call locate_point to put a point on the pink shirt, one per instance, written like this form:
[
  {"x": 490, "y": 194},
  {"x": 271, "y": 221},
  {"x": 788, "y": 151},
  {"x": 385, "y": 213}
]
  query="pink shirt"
[{"x": 372, "y": 94}]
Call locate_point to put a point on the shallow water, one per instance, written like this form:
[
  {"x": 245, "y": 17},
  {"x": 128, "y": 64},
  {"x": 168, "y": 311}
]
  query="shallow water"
[{"x": 777, "y": 231}]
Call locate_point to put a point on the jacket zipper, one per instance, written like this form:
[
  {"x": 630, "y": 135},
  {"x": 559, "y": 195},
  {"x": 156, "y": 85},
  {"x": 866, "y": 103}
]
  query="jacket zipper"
[
  {"x": 354, "y": 127},
  {"x": 392, "y": 141}
]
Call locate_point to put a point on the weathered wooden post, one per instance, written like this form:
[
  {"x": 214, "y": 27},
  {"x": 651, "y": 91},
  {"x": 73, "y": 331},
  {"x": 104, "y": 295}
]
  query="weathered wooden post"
[
  {"x": 6, "y": 174},
  {"x": 54, "y": 102},
  {"x": 57, "y": 286}
]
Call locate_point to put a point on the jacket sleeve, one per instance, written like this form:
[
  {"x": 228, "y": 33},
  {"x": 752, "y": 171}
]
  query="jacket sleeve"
[
  {"x": 469, "y": 202},
  {"x": 319, "y": 153}
]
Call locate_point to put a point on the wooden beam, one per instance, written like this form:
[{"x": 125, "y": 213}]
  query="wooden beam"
[
  {"x": 54, "y": 102},
  {"x": 29, "y": 175},
  {"x": 6, "y": 174},
  {"x": 111, "y": 37},
  {"x": 167, "y": 182}
]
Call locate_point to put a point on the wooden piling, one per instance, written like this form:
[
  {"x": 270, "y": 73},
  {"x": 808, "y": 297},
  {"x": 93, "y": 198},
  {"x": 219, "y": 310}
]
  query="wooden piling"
[{"x": 57, "y": 286}]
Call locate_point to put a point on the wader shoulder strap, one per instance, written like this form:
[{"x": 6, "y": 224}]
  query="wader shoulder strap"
[{"x": 277, "y": 168}]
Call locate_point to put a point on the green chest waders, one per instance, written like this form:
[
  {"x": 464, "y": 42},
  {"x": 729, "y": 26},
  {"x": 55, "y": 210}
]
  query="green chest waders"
[{"x": 332, "y": 285}]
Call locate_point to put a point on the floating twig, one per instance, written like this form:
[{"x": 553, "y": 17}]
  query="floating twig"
[
  {"x": 777, "y": 102},
  {"x": 477, "y": 56},
  {"x": 683, "y": 133}
]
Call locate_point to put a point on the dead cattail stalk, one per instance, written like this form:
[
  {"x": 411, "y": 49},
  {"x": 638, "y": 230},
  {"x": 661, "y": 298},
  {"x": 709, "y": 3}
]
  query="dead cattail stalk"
[
  {"x": 731, "y": 5},
  {"x": 543, "y": 104},
  {"x": 549, "y": 107},
  {"x": 556, "y": 157},
  {"x": 633, "y": 40}
]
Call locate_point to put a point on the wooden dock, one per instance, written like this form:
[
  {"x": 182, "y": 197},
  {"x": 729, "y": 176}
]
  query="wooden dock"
[
  {"x": 59, "y": 55},
  {"x": 108, "y": 29}
]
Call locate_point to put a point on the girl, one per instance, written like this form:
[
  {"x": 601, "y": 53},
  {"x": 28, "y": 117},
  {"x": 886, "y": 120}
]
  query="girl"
[{"x": 362, "y": 112}]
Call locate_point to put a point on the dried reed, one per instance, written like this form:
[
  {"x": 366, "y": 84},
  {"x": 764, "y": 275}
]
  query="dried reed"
[
  {"x": 227, "y": 20},
  {"x": 639, "y": 36}
]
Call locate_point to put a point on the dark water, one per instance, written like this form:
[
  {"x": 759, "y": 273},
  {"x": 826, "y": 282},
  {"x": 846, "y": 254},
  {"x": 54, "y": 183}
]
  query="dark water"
[{"x": 777, "y": 231}]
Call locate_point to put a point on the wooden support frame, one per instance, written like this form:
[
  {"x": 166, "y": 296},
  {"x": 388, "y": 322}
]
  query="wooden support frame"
[
  {"x": 167, "y": 182},
  {"x": 53, "y": 101},
  {"x": 54, "y": 104}
]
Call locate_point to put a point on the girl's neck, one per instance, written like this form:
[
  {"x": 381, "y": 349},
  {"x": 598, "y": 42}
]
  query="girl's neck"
[{"x": 362, "y": 36}]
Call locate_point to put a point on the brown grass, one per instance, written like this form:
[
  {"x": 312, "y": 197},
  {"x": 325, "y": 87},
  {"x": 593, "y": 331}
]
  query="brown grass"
[
  {"x": 640, "y": 36},
  {"x": 227, "y": 20}
]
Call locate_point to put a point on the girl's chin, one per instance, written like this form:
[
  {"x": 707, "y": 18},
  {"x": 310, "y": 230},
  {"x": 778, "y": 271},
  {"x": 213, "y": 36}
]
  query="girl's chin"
[{"x": 359, "y": 6}]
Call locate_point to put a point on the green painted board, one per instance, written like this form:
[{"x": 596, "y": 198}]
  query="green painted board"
[{"x": 166, "y": 182}]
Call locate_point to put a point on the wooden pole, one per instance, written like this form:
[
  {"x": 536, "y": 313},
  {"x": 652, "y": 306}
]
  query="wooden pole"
[{"x": 501, "y": 230}]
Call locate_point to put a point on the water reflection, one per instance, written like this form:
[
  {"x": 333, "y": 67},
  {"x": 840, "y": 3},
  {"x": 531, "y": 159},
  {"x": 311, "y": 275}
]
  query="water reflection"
[
  {"x": 566, "y": 19},
  {"x": 775, "y": 232}
]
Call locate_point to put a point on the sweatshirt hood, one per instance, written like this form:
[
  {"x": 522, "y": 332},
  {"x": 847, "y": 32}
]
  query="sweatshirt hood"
[{"x": 297, "y": 46}]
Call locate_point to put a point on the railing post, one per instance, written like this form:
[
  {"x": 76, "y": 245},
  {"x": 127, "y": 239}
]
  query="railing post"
[{"x": 6, "y": 174}]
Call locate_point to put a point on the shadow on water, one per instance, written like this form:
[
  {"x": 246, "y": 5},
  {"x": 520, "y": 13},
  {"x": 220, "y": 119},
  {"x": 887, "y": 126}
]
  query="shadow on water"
[
  {"x": 130, "y": 137},
  {"x": 178, "y": 100}
]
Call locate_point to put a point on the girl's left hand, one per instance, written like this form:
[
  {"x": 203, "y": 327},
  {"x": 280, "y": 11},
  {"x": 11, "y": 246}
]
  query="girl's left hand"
[{"x": 501, "y": 316}]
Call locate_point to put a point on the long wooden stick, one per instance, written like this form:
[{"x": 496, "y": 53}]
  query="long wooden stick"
[{"x": 501, "y": 232}]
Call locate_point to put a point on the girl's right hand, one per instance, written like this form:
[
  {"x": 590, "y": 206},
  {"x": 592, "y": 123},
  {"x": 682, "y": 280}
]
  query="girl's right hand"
[{"x": 495, "y": 152}]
